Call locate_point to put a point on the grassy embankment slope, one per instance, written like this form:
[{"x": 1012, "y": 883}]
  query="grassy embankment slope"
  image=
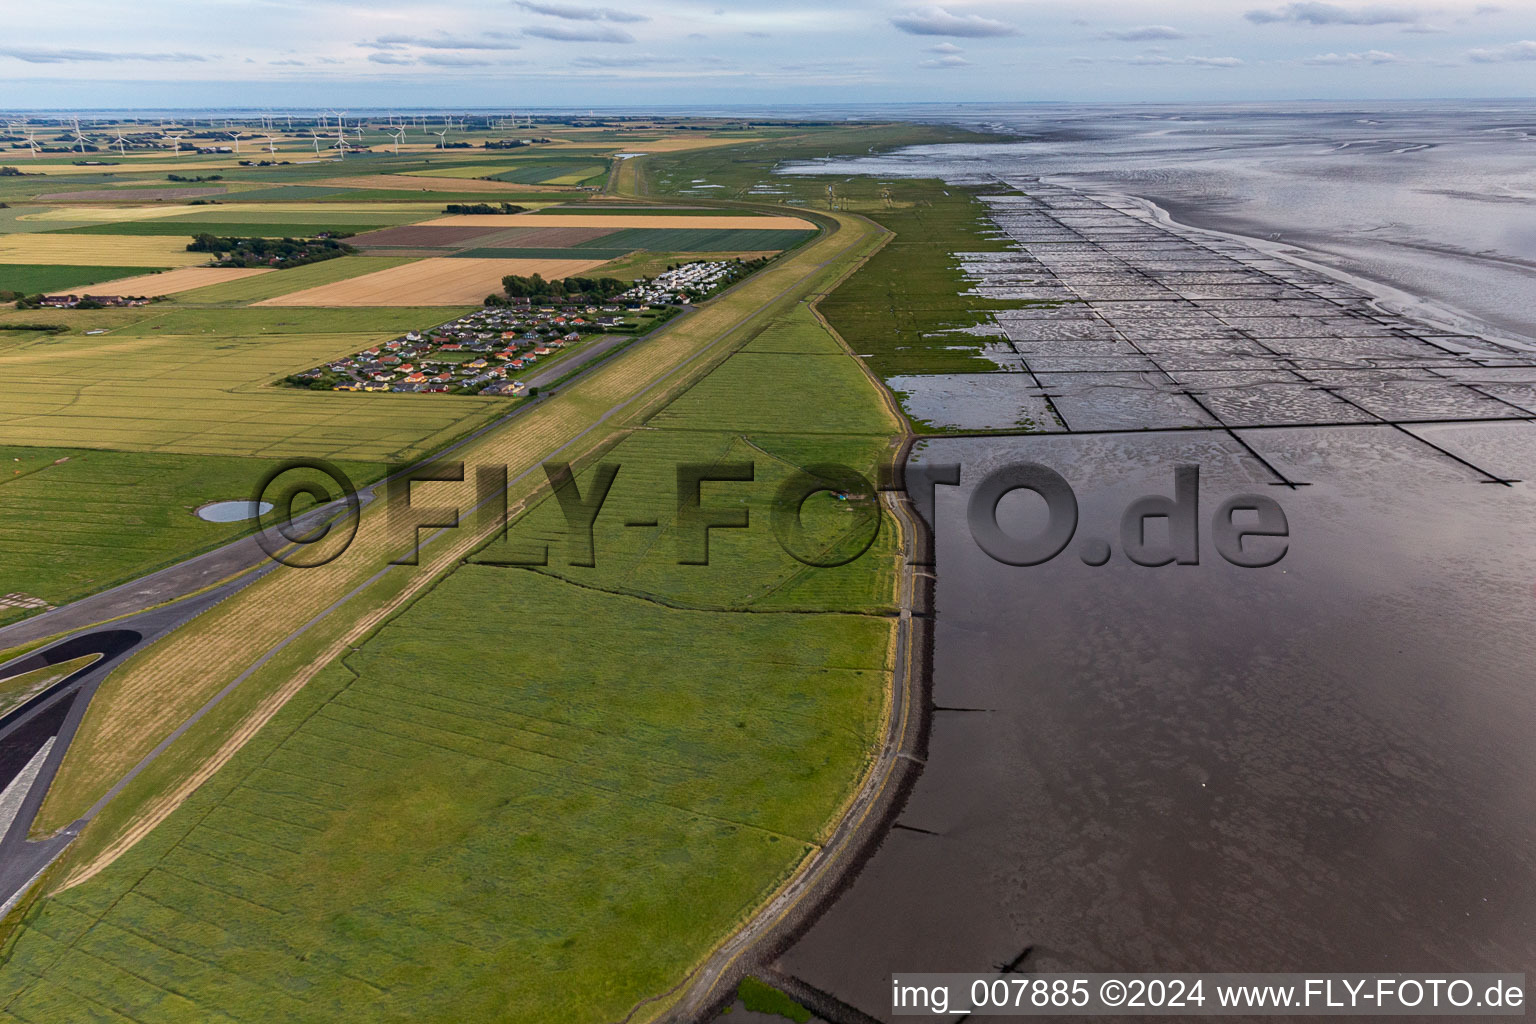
[{"x": 566, "y": 697}]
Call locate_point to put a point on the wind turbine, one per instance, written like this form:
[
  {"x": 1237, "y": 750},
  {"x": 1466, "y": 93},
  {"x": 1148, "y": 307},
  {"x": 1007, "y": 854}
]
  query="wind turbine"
[
  {"x": 79, "y": 139},
  {"x": 176, "y": 143},
  {"x": 317, "y": 142},
  {"x": 398, "y": 134},
  {"x": 442, "y": 138},
  {"x": 32, "y": 142},
  {"x": 341, "y": 142},
  {"x": 122, "y": 143},
  {"x": 236, "y": 136},
  {"x": 271, "y": 144}
]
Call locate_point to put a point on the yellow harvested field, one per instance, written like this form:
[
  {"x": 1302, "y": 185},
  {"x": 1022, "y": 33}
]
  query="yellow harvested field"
[
  {"x": 99, "y": 250},
  {"x": 620, "y": 220},
  {"x": 226, "y": 207},
  {"x": 78, "y": 213},
  {"x": 443, "y": 281},
  {"x": 183, "y": 279},
  {"x": 419, "y": 183}
]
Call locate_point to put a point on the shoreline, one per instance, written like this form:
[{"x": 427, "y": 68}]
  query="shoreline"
[{"x": 1389, "y": 297}]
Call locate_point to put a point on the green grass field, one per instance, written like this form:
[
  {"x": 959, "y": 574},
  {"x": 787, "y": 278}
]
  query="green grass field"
[
  {"x": 206, "y": 394},
  {"x": 36, "y": 277},
  {"x": 454, "y": 825},
  {"x": 75, "y": 521},
  {"x": 908, "y": 307},
  {"x": 698, "y": 239},
  {"x": 563, "y": 172},
  {"x": 620, "y": 210},
  {"x": 516, "y": 801}
]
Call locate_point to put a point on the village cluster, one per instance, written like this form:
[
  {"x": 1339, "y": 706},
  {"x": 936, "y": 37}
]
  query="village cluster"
[
  {"x": 482, "y": 352},
  {"x": 476, "y": 354},
  {"x": 87, "y": 301}
]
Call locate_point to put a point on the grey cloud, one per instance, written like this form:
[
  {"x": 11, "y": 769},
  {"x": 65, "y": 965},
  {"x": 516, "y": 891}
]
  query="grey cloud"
[
  {"x": 936, "y": 21},
  {"x": 1332, "y": 14},
  {"x": 595, "y": 34},
  {"x": 448, "y": 60},
  {"x": 484, "y": 41},
  {"x": 1144, "y": 33},
  {"x": 1368, "y": 57},
  {"x": 945, "y": 48},
  {"x": 1160, "y": 60},
  {"x": 642, "y": 60},
  {"x": 389, "y": 58},
  {"x": 952, "y": 61},
  {"x": 1525, "y": 49},
  {"x": 571, "y": 12},
  {"x": 51, "y": 55}
]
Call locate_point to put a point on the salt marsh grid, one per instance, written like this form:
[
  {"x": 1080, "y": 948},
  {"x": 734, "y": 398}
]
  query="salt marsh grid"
[{"x": 1159, "y": 327}]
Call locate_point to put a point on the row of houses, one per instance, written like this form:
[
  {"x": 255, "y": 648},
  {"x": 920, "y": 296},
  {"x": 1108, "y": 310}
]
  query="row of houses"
[
  {"x": 72, "y": 301},
  {"x": 479, "y": 353}
]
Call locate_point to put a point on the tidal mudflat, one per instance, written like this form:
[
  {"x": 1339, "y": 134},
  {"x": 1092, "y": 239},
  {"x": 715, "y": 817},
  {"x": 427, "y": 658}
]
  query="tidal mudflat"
[{"x": 1324, "y": 763}]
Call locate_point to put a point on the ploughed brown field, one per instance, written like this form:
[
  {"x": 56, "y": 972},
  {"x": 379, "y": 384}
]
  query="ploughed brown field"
[{"x": 416, "y": 236}]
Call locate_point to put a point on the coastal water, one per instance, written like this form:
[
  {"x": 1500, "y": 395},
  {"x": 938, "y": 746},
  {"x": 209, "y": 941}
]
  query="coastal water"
[
  {"x": 1437, "y": 200},
  {"x": 1321, "y": 765},
  {"x": 1324, "y": 764}
]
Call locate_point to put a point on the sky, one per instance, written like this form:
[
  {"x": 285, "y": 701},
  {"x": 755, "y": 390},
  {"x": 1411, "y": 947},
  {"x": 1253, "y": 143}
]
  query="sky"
[{"x": 510, "y": 54}]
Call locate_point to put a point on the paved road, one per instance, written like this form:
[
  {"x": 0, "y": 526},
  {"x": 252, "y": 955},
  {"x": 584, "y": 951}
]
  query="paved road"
[{"x": 49, "y": 720}]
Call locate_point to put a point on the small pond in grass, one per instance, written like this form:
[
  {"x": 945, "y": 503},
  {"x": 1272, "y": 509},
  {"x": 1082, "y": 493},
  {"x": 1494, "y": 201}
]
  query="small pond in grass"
[{"x": 233, "y": 511}]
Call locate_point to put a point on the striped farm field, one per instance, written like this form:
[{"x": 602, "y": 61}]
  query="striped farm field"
[
  {"x": 97, "y": 250},
  {"x": 187, "y": 394},
  {"x": 182, "y": 279},
  {"x": 603, "y": 220},
  {"x": 437, "y": 281},
  {"x": 269, "y": 286}
]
